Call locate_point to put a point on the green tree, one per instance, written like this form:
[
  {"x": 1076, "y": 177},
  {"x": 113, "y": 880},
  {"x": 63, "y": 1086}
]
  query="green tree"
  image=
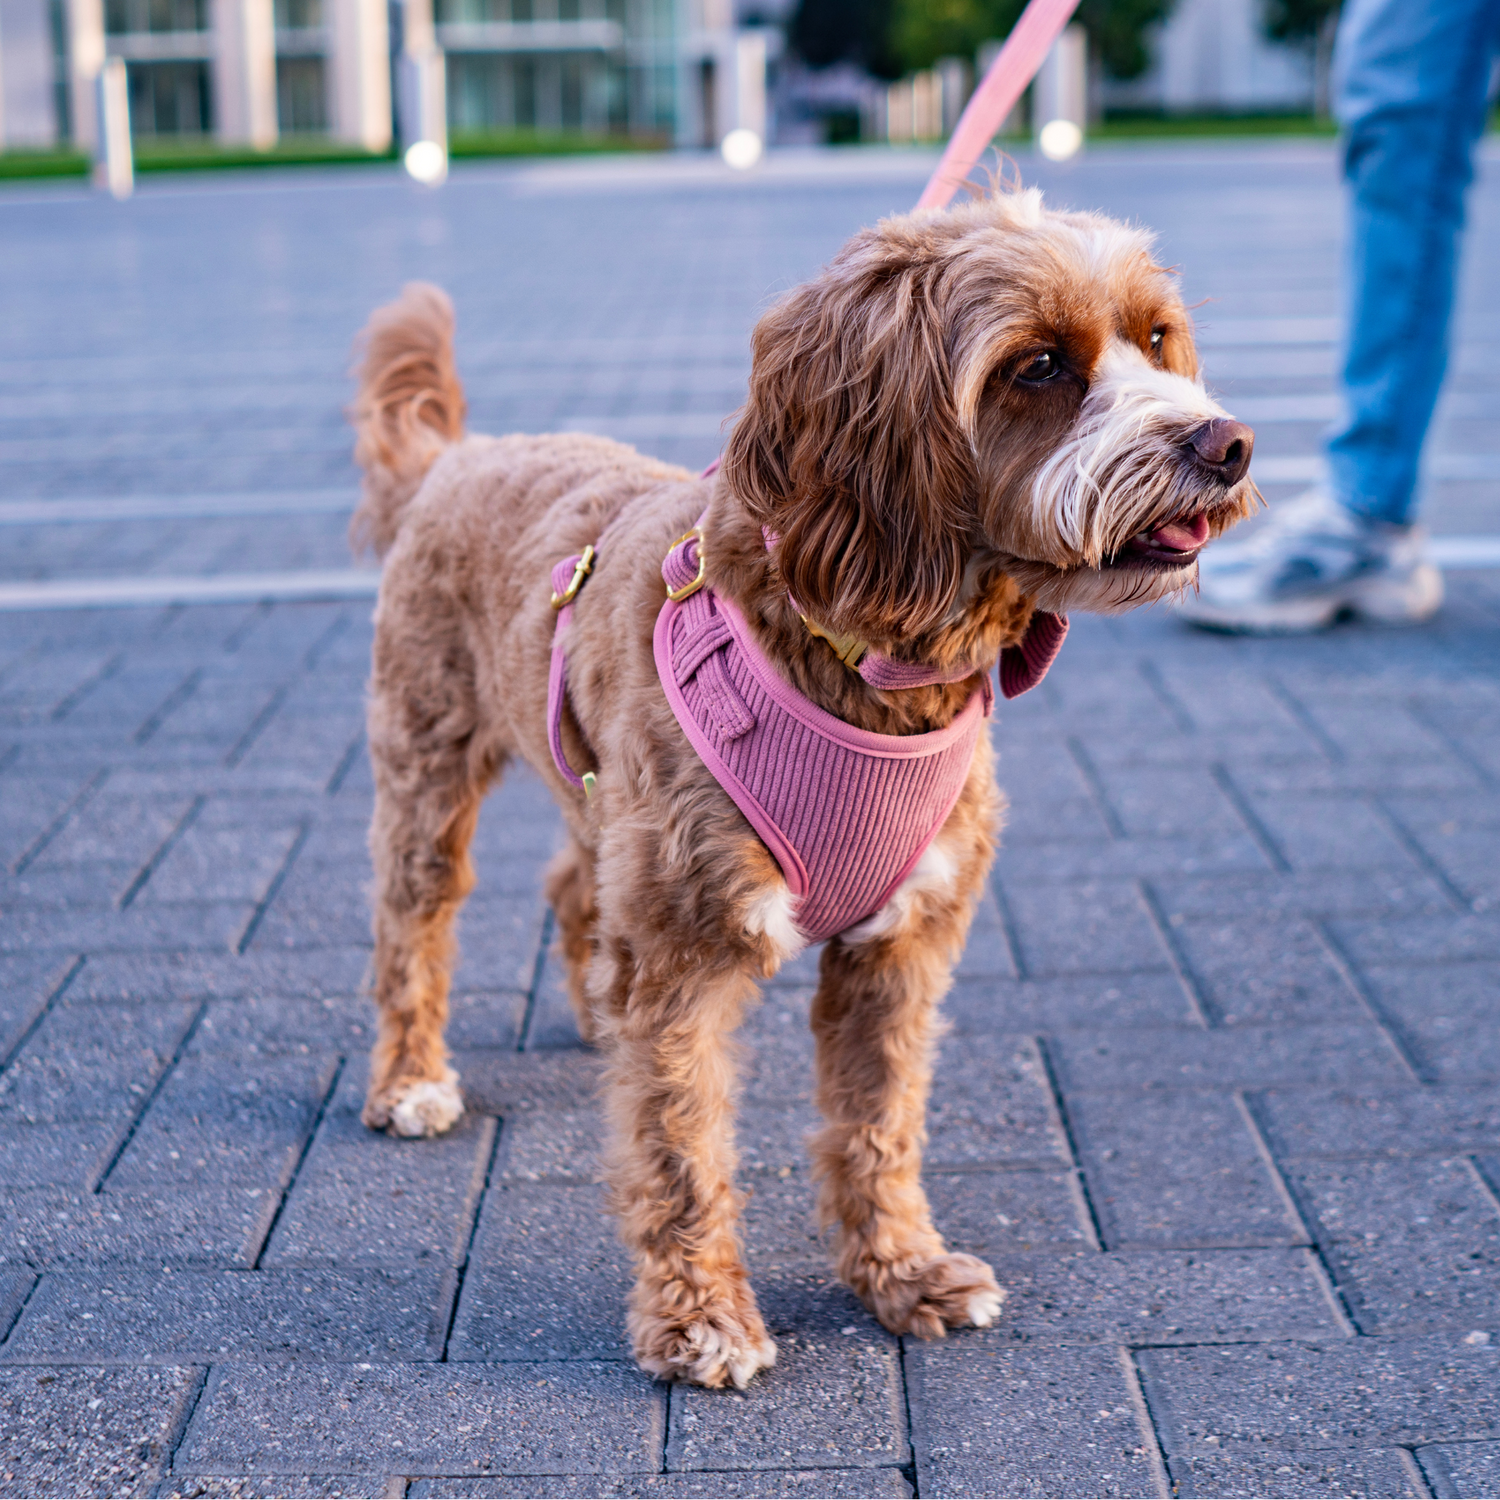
[
  {"x": 921, "y": 31},
  {"x": 824, "y": 32},
  {"x": 1310, "y": 24}
]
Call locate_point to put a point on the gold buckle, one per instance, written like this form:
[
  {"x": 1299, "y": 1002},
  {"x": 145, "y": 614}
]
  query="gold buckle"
[
  {"x": 848, "y": 648},
  {"x": 584, "y": 567},
  {"x": 692, "y": 586}
]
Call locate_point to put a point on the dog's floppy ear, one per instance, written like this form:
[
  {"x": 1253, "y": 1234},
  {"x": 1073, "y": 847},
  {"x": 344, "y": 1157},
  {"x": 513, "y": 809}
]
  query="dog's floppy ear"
[{"x": 850, "y": 448}]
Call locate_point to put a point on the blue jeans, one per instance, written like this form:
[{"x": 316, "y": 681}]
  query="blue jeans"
[{"x": 1409, "y": 88}]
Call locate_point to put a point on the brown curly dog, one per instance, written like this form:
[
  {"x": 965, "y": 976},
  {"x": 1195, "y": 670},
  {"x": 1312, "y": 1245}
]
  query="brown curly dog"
[{"x": 969, "y": 415}]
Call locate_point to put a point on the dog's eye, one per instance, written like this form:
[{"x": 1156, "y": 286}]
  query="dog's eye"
[
  {"x": 1040, "y": 367},
  {"x": 1157, "y": 335}
]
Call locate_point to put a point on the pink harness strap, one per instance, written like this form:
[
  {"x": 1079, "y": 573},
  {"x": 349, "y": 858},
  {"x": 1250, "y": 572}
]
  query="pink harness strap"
[{"x": 845, "y": 812}]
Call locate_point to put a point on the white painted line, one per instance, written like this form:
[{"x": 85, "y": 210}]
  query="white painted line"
[
  {"x": 1456, "y": 552},
  {"x": 1308, "y": 468},
  {"x": 68, "y": 511},
  {"x": 214, "y": 588},
  {"x": 1452, "y": 552}
]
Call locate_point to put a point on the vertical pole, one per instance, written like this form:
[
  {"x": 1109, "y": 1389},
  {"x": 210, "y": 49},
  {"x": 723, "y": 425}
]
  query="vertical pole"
[
  {"x": 359, "y": 61},
  {"x": 114, "y": 165},
  {"x": 245, "y": 73},
  {"x": 1060, "y": 95},
  {"x": 85, "y": 46}
]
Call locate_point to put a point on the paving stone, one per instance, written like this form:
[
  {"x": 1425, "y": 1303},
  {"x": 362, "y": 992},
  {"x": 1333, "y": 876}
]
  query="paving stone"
[
  {"x": 991, "y": 1104},
  {"x": 1420, "y": 940},
  {"x": 363, "y": 1197},
  {"x": 987, "y": 953},
  {"x": 1267, "y": 973},
  {"x": 231, "y": 1120},
  {"x": 834, "y": 1397},
  {"x": 215, "y": 926},
  {"x": 70, "y": 1154},
  {"x": 118, "y": 830},
  {"x": 1165, "y": 1297},
  {"x": 270, "y": 1486},
  {"x": 216, "y": 863},
  {"x": 992, "y": 1420},
  {"x": 425, "y": 1419},
  {"x": 1462, "y": 1469},
  {"x": 27, "y": 982},
  {"x": 1328, "y": 893},
  {"x": 486, "y": 1019},
  {"x": 1360, "y": 1393},
  {"x": 1179, "y": 1168},
  {"x": 552, "y": 1146},
  {"x": 1445, "y": 1016},
  {"x": 1317, "y": 832},
  {"x": 774, "y": 1138},
  {"x": 1414, "y": 1245},
  {"x": 992, "y": 1213},
  {"x": 712, "y": 1484},
  {"x": 1375, "y": 1472},
  {"x": 1091, "y": 928},
  {"x": 176, "y": 975},
  {"x": 89, "y": 1431},
  {"x": 1250, "y": 1057},
  {"x": 270, "y": 1028},
  {"x": 94, "y": 1064},
  {"x": 1120, "y": 860},
  {"x": 1411, "y": 1122},
  {"x": 547, "y": 1279},
  {"x": 511, "y": 1083},
  {"x": 15, "y": 1287},
  {"x": 55, "y": 1226},
  {"x": 1079, "y": 1000},
  {"x": 552, "y": 1024},
  {"x": 118, "y": 1315},
  {"x": 779, "y": 1228}
]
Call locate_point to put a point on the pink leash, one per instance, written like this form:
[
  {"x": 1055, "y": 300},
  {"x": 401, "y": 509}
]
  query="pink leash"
[
  {"x": 1021, "y": 666},
  {"x": 1025, "y": 48}
]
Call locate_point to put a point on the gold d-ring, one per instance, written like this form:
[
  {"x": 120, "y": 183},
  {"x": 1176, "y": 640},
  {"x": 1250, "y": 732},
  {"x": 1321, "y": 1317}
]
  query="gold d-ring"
[
  {"x": 581, "y": 570},
  {"x": 692, "y": 586}
]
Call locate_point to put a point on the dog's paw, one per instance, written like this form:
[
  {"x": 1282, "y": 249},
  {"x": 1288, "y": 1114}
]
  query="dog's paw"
[
  {"x": 927, "y": 1298},
  {"x": 713, "y": 1346},
  {"x": 416, "y": 1106}
]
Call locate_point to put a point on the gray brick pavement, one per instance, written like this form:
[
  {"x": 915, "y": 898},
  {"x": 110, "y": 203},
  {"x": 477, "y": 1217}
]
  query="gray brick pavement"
[{"x": 1221, "y": 1098}]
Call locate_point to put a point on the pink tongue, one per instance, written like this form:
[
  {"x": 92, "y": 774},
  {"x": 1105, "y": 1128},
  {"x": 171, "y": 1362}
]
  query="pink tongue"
[{"x": 1181, "y": 536}]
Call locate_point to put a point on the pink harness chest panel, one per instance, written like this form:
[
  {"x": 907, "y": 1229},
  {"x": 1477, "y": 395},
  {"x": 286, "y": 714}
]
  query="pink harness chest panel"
[{"x": 845, "y": 812}]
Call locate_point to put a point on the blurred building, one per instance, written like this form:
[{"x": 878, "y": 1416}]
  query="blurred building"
[{"x": 250, "y": 71}]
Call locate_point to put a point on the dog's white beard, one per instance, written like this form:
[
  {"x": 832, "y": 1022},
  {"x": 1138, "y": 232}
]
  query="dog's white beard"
[{"x": 1122, "y": 470}]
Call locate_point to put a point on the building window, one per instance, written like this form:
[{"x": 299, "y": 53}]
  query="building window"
[
  {"x": 169, "y": 98},
  {"x": 301, "y": 95}
]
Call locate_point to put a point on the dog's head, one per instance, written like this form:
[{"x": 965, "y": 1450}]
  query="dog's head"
[{"x": 995, "y": 389}]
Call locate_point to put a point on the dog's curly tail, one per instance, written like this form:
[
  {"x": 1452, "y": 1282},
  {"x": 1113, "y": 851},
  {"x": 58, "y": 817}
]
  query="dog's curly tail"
[{"x": 409, "y": 407}]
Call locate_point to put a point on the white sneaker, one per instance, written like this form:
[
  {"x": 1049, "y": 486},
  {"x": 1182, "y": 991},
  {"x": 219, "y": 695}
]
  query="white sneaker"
[{"x": 1310, "y": 564}]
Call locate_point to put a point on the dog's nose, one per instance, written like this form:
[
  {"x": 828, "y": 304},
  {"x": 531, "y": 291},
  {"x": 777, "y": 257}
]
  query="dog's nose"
[{"x": 1224, "y": 446}]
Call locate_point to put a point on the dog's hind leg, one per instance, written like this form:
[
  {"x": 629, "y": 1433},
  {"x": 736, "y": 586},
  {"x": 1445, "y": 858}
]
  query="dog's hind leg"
[
  {"x": 874, "y": 1019},
  {"x": 666, "y": 1018},
  {"x": 570, "y": 892},
  {"x": 429, "y": 782}
]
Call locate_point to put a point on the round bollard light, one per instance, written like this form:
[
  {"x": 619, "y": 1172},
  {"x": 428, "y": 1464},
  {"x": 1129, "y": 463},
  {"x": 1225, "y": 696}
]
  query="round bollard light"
[
  {"x": 427, "y": 162},
  {"x": 1059, "y": 139},
  {"x": 741, "y": 149}
]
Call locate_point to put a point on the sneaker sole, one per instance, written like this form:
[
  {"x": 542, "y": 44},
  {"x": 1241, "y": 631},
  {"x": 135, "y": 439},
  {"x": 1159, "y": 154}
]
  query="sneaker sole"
[{"x": 1378, "y": 601}]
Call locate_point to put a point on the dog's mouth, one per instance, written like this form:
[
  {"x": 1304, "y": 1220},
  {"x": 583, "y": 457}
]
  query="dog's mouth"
[{"x": 1173, "y": 545}]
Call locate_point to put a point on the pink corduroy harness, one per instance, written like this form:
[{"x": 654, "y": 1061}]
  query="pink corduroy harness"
[{"x": 846, "y": 813}]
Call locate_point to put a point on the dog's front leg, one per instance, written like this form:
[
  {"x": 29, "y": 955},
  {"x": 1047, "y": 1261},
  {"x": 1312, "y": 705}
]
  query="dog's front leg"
[
  {"x": 874, "y": 1021},
  {"x": 670, "y": 1092}
]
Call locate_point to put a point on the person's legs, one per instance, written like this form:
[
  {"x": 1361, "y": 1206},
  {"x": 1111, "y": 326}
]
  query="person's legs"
[
  {"x": 1409, "y": 80},
  {"x": 1411, "y": 77}
]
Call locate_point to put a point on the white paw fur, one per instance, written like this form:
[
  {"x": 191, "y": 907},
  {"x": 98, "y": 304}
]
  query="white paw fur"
[
  {"x": 428, "y": 1108},
  {"x": 984, "y": 1308}
]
